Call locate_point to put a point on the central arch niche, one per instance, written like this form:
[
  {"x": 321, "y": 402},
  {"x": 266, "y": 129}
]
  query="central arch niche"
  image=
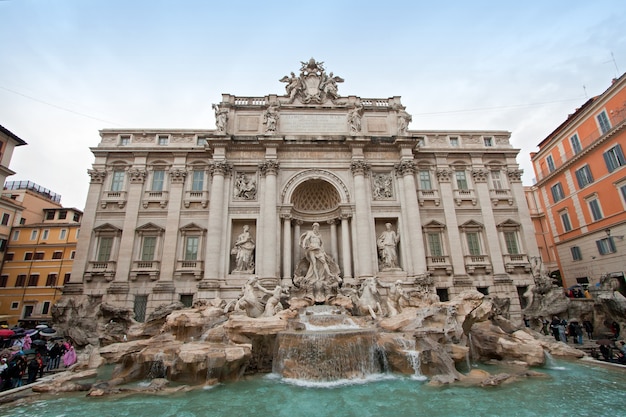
[{"x": 315, "y": 196}]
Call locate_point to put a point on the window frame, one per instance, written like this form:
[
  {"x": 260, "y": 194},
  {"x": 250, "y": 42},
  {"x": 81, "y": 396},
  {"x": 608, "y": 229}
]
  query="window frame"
[
  {"x": 576, "y": 253},
  {"x": 614, "y": 157},
  {"x": 604, "y": 123},
  {"x": 461, "y": 183},
  {"x": 158, "y": 180},
  {"x": 595, "y": 209},
  {"x": 566, "y": 222},
  {"x": 606, "y": 246},
  {"x": 584, "y": 177},
  {"x": 575, "y": 144},
  {"x": 550, "y": 163},
  {"x": 557, "y": 192},
  {"x": 118, "y": 178},
  {"x": 425, "y": 180}
]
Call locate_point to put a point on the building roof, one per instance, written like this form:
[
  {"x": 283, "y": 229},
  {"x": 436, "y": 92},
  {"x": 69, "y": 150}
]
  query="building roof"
[
  {"x": 13, "y": 136},
  {"x": 579, "y": 111}
]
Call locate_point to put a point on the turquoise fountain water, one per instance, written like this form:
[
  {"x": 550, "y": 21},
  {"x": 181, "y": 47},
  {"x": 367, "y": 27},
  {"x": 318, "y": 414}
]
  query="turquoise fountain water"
[{"x": 571, "y": 389}]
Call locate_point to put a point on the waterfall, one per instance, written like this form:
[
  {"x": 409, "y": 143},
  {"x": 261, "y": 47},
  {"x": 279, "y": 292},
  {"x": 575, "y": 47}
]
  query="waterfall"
[
  {"x": 331, "y": 348},
  {"x": 550, "y": 362},
  {"x": 413, "y": 357},
  {"x": 157, "y": 367},
  {"x": 327, "y": 355},
  {"x": 470, "y": 357}
]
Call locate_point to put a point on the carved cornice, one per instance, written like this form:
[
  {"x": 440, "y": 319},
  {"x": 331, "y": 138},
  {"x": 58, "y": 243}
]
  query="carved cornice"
[
  {"x": 137, "y": 176},
  {"x": 405, "y": 168},
  {"x": 97, "y": 176},
  {"x": 444, "y": 175},
  {"x": 515, "y": 175},
  {"x": 269, "y": 167},
  {"x": 177, "y": 175},
  {"x": 359, "y": 167},
  {"x": 480, "y": 175}
]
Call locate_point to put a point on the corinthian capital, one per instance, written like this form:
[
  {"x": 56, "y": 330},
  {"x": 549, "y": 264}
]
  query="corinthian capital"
[
  {"x": 97, "y": 177},
  {"x": 405, "y": 168},
  {"x": 269, "y": 167},
  {"x": 515, "y": 175},
  {"x": 479, "y": 175},
  {"x": 359, "y": 167},
  {"x": 444, "y": 175},
  {"x": 221, "y": 167},
  {"x": 136, "y": 175},
  {"x": 177, "y": 175}
]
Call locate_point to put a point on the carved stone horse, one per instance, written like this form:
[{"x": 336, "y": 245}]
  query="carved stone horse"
[{"x": 368, "y": 299}]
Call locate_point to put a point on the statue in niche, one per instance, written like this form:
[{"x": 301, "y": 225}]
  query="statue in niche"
[
  {"x": 354, "y": 119},
  {"x": 321, "y": 279},
  {"x": 387, "y": 248},
  {"x": 221, "y": 117},
  {"x": 244, "y": 252},
  {"x": 270, "y": 119},
  {"x": 245, "y": 187},
  {"x": 382, "y": 187}
]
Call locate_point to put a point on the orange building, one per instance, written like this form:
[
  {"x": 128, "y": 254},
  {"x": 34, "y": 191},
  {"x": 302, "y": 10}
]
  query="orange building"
[
  {"x": 580, "y": 194},
  {"x": 38, "y": 261}
]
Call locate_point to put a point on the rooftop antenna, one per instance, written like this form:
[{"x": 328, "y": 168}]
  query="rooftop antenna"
[
  {"x": 585, "y": 90},
  {"x": 614, "y": 64}
]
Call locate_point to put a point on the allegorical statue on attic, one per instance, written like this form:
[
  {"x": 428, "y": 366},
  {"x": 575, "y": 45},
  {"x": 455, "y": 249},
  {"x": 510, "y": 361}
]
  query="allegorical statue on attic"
[{"x": 313, "y": 85}]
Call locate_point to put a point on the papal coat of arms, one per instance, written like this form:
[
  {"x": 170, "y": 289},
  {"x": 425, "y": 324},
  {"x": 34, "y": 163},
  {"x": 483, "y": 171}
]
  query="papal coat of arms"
[{"x": 313, "y": 85}]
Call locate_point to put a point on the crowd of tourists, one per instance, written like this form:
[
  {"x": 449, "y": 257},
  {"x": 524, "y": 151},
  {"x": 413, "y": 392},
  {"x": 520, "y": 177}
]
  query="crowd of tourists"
[{"x": 27, "y": 355}]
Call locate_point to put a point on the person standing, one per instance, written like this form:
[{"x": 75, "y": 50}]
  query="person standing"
[{"x": 554, "y": 326}]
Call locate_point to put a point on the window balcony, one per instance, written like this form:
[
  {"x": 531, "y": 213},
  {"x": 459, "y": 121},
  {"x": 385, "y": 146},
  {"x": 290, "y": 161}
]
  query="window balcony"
[
  {"x": 501, "y": 195},
  {"x": 434, "y": 263},
  {"x": 201, "y": 197},
  {"x": 429, "y": 195},
  {"x": 195, "y": 268},
  {"x": 464, "y": 195},
  {"x": 149, "y": 268},
  {"x": 512, "y": 262},
  {"x": 104, "y": 269},
  {"x": 113, "y": 197},
  {"x": 480, "y": 262},
  {"x": 159, "y": 197}
]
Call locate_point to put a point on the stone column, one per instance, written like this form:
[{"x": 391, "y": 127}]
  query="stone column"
[
  {"x": 517, "y": 190},
  {"x": 82, "y": 258},
  {"x": 333, "y": 240},
  {"x": 364, "y": 256},
  {"x": 457, "y": 252},
  {"x": 287, "y": 249},
  {"x": 136, "y": 176},
  {"x": 480, "y": 176},
  {"x": 215, "y": 230},
  {"x": 170, "y": 255},
  {"x": 296, "y": 241},
  {"x": 269, "y": 169},
  {"x": 346, "y": 252},
  {"x": 406, "y": 169}
]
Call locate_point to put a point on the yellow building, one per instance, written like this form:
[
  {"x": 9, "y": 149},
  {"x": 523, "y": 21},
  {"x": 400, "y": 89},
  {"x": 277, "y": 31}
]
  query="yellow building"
[{"x": 37, "y": 263}]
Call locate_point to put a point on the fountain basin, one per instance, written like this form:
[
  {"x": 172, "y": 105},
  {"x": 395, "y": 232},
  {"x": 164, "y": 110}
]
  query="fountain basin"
[{"x": 328, "y": 355}]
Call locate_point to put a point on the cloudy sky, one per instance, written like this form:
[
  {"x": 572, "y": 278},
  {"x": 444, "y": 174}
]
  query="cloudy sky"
[{"x": 69, "y": 68}]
